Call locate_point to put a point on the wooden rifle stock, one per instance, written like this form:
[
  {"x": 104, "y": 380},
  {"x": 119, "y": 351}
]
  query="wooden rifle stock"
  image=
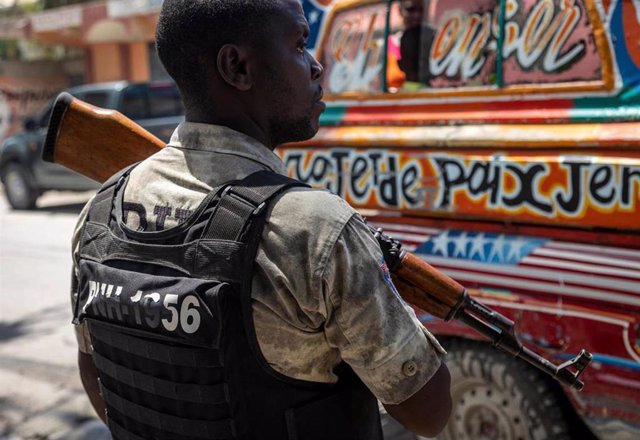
[
  {"x": 445, "y": 294},
  {"x": 98, "y": 143},
  {"x": 94, "y": 142}
]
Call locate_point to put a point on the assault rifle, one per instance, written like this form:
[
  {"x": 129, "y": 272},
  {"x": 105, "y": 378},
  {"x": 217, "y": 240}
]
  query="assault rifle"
[
  {"x": 97, "y": 143},
  {"x": 425, "y": 287}
]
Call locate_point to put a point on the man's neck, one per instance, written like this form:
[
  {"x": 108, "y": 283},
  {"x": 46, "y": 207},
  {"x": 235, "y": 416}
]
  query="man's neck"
[{"x": 242, "y": 124}]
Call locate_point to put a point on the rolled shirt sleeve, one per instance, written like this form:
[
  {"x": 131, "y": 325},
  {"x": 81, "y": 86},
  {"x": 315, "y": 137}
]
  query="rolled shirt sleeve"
[
  {"x": 322, "y": 295},
  {"x": 376, "y": 331}
]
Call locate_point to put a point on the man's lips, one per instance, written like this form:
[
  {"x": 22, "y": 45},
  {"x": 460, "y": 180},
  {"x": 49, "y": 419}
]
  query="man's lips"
[{"x": 318, "y": 99}]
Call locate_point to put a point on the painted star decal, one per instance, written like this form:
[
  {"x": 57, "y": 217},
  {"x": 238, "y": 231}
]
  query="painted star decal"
[
  {"x": 477, "y": 246},
  {"x": 460, "y": 242},
  {"x": 515, "y": 249},
  {"x": 497, "y": 250},
  {"x": 441, "y": 244},
  {"x": 313, "y": 17}
]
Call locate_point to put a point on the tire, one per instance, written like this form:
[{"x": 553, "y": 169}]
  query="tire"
[
  {"x": 18, "y": 187},
  {"x": 496, "y": 396}
]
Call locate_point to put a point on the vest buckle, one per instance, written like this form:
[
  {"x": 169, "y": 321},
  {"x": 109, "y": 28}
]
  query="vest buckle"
[{"x": 259, "y": 209}]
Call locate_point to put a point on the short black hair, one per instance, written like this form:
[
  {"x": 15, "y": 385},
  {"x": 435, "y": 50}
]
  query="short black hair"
[{"x": 190, "y": 34}]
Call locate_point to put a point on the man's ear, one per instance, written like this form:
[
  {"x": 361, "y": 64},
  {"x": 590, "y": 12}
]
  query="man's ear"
[{"x": 232, "y": 67}]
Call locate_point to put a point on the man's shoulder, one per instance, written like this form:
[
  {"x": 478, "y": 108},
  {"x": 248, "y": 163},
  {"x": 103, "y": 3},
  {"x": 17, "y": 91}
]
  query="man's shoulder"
[{"x": 313, "y": 206}]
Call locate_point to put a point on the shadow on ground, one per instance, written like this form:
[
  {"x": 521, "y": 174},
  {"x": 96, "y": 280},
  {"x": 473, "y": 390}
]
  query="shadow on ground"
[
  {"x": 42, "y": 322},
  {"x": 12, "y": 330}
]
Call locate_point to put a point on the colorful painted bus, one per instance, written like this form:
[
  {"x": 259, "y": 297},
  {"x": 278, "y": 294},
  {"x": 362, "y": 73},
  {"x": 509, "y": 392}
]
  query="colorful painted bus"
[{"x": 500, "y": 141}]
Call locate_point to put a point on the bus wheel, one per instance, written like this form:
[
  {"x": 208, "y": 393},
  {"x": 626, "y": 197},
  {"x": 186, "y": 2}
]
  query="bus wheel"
[{"x": 498, "y": 397}]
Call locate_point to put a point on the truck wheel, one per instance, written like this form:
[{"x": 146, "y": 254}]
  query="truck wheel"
[
  {"x": 498, "y": 397},
  {"x": 18, "y": 187}
]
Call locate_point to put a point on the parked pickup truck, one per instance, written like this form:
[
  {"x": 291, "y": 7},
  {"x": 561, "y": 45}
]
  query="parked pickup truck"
[
  {"x": 500, "y": 141},
  {"x": 155, "y": 106}
]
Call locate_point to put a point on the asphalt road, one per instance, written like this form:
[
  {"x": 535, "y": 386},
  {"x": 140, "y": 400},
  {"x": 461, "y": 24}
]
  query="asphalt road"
[{"x": 40, "y": 392}]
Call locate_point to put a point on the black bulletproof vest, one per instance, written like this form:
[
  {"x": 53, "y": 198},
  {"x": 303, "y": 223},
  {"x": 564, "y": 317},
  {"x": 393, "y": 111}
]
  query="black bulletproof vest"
[{"x": 171, "y": 325}]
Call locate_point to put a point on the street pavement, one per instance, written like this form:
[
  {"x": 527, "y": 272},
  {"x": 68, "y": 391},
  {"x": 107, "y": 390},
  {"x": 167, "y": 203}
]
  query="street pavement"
[{"x": 41, "y": 396}]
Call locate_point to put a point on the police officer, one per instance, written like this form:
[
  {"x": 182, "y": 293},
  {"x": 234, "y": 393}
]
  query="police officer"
[{"x": 303, "y": 349}]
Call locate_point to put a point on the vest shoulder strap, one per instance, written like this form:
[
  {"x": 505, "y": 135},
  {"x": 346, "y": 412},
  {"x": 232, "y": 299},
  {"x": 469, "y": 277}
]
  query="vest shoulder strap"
[
  {"x": 243, "y": 200},
  {"x": 101, "y": 205},
  {"x": 239, "y": 202}
]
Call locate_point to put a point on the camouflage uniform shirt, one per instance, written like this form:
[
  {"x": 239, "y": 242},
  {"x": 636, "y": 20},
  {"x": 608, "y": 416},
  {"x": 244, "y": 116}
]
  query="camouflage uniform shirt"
[{"x": 321, "y": 292}]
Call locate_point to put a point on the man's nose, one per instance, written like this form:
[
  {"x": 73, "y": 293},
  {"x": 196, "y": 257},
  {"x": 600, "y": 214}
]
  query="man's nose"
[{"x": 317, "y": 71}]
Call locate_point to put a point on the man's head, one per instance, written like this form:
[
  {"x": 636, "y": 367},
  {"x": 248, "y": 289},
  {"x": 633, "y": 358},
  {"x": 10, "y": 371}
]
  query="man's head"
[
  {"x": 243, "y": 63},
  {"x": 411, "y": 12}
]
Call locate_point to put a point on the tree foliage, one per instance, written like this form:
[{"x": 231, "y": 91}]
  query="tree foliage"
[{"x": 9, "y": 50}]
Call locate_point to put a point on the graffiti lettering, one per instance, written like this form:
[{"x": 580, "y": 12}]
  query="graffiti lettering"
[
  {"x": 482, "y": 177},
  {"x": 357, "y": 61},
  {"x": 587, "y": 183},
  {"x": 458, "y": 46},
  {"x": 546, "y": 31},
  {"x": 486, "y": 178},
  {"x": 570, "y": 201},
  {"x": 463, "y": 41},
  {"x": 360, "y": 176},
  {"x": 527, "y": 178},
  {"x": 573, "y": 187},
  {"x": 603, "y": 186},
  {"x": 630, "y": 181}
]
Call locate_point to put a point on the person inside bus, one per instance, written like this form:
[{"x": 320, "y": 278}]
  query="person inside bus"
[
  {"x": 411, "y": 12},
  {"x": 415, "y": 42}
]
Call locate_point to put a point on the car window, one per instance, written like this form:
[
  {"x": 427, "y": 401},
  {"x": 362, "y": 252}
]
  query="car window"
[
  {"x": 97, "y": 98},
  {"x": 134, "y": 102},
  {"x": 151, "y": 101},
  {"x": 164, "y": 100}
]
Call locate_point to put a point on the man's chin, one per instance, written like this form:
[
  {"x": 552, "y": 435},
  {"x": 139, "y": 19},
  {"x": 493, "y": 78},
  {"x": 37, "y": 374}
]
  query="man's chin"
[
  {"x": 293, "y": 140},
  {"x": 300, "y": 132}
]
